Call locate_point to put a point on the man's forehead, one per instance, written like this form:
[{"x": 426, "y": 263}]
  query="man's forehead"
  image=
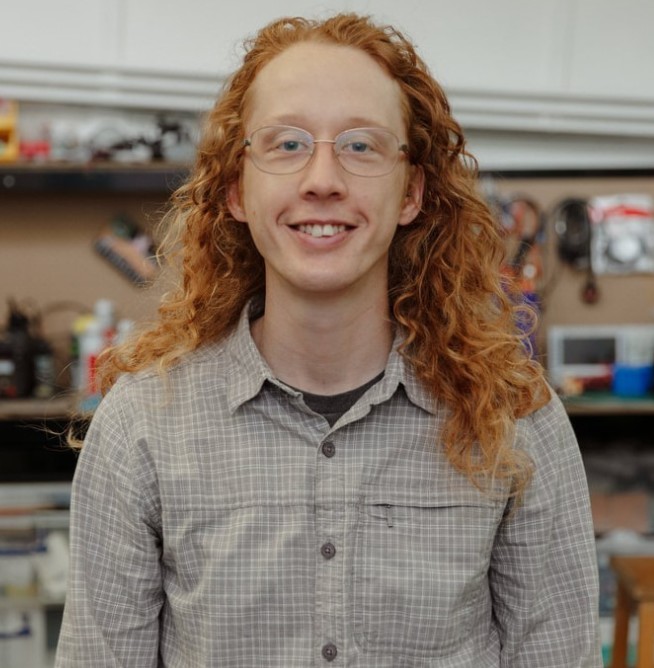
[{"x": 316, "y": 79}]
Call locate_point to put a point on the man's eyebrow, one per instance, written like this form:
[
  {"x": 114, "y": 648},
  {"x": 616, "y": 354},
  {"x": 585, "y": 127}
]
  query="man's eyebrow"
[{"x": 303, "y": 122}]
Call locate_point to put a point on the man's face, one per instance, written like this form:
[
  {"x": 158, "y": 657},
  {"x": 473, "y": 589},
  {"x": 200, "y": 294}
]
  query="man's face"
[{"x": 322, "y": 230}]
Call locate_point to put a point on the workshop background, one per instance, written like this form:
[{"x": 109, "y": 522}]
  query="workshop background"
[{"x": 100, "y": 106}]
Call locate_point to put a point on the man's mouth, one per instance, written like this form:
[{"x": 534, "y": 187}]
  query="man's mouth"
[{"x": 318, "y": 230}]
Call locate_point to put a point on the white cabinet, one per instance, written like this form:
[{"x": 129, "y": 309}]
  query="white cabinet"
[
  {"x": 149, "y": 54},
  {"x": 504, "y": 48},
  {"x": 79, "y": 33},
  {"x": 612, "y": 49},
  {"x": 500, "y": 46},
  {"x": 572, "y": 47},
  {"x": 199, "y": 37},
  {"x": 505, "y": 45}
]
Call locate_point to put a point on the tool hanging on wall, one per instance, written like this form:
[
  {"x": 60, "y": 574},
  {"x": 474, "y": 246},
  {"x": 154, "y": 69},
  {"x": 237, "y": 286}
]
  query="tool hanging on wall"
[
  {"x": 128, "y": 249},
  {"x": 523, "y": 224},
  {"x": 622, "y": 238},
  {"x": 572, "y": 226}
]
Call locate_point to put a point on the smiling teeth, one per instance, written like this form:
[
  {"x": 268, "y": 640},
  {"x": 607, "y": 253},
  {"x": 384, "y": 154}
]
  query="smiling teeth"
[{"x": 322, "y": 230}]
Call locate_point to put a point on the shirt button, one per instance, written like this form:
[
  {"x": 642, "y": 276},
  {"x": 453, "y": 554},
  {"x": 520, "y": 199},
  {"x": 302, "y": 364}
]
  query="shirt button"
[
  {"x": 328, "y": 551},
  {"x": 329, "y": 652},
  {"x": 328, "y": 449}
]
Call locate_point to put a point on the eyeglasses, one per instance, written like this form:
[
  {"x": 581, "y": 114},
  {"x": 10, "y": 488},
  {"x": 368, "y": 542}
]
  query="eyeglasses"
[{"x": 282, "y": 149}]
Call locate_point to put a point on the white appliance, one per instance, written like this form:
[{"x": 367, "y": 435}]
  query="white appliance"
[{"x": 592, "y": 351}]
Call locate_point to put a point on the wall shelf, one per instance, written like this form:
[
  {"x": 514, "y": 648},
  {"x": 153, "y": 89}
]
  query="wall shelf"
[
  {"x": 36, "y": 409},
  {"x": 94, "y": 177},
  {"x": 609, "y": 404},
  {"x": 165, "y": 177}
]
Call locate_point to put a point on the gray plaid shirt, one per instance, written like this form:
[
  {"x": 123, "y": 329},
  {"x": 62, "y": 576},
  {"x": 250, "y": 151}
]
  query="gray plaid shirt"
[{"x": 217, "y": 521}]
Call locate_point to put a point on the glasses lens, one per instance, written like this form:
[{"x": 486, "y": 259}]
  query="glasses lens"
[
  {"x": 282, "y": 149},
  {"x": 368, "y": 151},
  {"x": 279, "y": 149}
]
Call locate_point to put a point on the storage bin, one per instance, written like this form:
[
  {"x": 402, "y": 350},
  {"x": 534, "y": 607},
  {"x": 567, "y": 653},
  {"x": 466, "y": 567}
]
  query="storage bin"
[{"x": 632, "y": 381}]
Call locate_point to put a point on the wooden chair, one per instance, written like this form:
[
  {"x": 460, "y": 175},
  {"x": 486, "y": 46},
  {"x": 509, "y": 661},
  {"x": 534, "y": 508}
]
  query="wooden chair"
[{"x": 635, "y": 580}]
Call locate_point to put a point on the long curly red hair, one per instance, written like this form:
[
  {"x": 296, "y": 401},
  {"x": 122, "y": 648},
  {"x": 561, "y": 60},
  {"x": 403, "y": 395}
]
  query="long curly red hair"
[{"x": 445, "y": 285}]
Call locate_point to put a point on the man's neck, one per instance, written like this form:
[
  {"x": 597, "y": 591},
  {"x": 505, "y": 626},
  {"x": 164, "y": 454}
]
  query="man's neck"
[{"x": 324, "y": 346}]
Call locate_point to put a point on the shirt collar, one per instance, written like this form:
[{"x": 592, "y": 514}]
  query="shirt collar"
[
  {"x": 250, "y": 371},
  {"x": 399, "y": 373},
  {"x": 248, "y": 368}
]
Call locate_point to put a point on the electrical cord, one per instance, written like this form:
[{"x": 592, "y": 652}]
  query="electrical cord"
[
  {"x": 571, "y": 223},
  {"x": 572, "y": 226}
]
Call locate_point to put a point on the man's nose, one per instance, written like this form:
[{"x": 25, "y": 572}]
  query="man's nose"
[{"x": 324, "y": 176}]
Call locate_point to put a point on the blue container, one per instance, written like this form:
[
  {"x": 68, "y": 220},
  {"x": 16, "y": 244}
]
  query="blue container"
[{"x": 632, "y": 381}]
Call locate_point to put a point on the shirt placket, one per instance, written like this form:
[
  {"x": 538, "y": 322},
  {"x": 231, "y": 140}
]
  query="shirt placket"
[{"x": 329, "y": 544}]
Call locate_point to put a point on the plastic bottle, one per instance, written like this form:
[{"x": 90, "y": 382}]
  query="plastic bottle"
[
  {"x": 124, "y": 328},
  {"x": 105, "y": 315},
  {"x": 91, "y": 344},
  {"x": 77, "y": 332},
  {"x": 91, "y": 334}
]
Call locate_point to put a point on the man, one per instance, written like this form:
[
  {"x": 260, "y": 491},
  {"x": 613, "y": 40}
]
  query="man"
[{"x": 332, "y": 448}]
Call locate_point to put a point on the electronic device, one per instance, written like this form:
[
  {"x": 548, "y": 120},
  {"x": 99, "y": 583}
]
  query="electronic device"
[{"x": 587, "y": 352}]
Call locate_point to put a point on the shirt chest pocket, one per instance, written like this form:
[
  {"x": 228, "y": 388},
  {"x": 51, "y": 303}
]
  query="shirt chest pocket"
[{"x": 420, "y": 565}]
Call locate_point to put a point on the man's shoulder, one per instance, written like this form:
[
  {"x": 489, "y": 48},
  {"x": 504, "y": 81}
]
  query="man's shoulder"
[
  {"x": 208, "y": 361},
  {"x": 548, "y": 428}
]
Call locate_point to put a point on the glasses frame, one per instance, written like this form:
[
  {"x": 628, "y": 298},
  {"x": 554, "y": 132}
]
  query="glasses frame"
[{"x": 402, "y": 149}]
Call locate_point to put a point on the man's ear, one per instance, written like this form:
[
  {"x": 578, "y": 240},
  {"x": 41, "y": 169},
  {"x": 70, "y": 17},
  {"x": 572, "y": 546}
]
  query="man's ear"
[
  {"x": 234, "y": 201},
  {"x": 413, "y": 200}
]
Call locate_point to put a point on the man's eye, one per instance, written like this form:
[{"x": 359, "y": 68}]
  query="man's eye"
[
  {"x": 291, "y": 146},
  {"x": 360, "y": 147},
  {"x": 289, "y": 143},
  {"x": 363, "y": 145}
]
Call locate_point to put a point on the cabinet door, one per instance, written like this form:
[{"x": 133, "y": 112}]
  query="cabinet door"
[
  {"x": 67, "y": 32},
  {"x": 612, "y": 49},
  {"x": 510, "y": 46},
  {"x": 200, "y": 37}
]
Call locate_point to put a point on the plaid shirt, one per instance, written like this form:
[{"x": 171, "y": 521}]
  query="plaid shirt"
[{"x": 218, "y": 521}]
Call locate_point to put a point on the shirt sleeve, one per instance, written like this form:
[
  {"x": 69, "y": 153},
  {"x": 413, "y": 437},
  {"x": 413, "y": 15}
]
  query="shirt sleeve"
[
  {"x": 114, "y": 592},
  {"x": 543, "y": 571}
]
